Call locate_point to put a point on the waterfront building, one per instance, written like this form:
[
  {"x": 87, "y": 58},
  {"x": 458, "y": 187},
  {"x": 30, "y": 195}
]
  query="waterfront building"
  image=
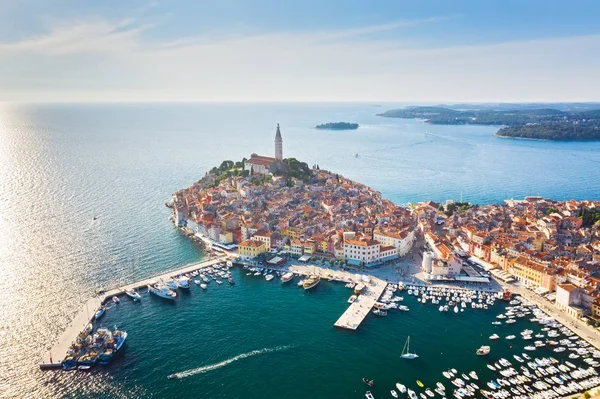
[
  {"x": 534, "y": 274},
  {"x": 251, "y": 248},
  {"x": 568, "y": 299}
]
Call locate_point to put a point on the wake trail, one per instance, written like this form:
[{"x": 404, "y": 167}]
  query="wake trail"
[{"x": 205, "y": 369}]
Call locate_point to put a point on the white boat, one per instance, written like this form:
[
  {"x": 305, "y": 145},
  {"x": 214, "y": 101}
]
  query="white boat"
[
  {"x": 133, "y": 294},
  {"x": 352, "y": 299},
  {"x": 203, "y": 286},
  {"x": 412, "y": 394},
  {"x": 172, "y": 284},
  {"x": 218, "y": 282},
  {"x": 311, "y": 282},
  {"x": 359, "y": 288},
  {"x": 510, "y": 337},
  {"x": 183, "y": 282},
  {"x": 116, "y": 300},
  {"x": 474, "y": 375},
  {"x": 394, "y": 393},
  {"x": 440, "y": 386},
  {"x": 289, "y": 276},
  {"x": 100, "y": 312},
  {"x": 483, "y": 350},
  {"x": 162, "y": 291},
  {"x": 494, "y": 336},
  {"x": 401, "y": 388},
  {"x": 406, "y": 351},
  {"x": 369, "y": 395},
  {"x": 269, "y": 277}
]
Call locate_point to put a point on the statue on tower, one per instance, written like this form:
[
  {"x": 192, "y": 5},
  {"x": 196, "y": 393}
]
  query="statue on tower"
[{"x": 278, "y": 145}]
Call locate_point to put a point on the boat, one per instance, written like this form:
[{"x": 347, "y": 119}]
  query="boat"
[
  {"x": 133, "y": 294},
  {"x": 474, "y": 375},
  {"x": 183, "y": 282},
  {"x": 401, "y": 388},
  {"x": 412, "y": 394},
  {"x": 380, "y": 312},
  {"x": 269, "y": 277},
  {"x": 359, "y": 288},
  {"x": 162, "y": 291},
  {"x": 289, "y": 276},
  {"x": 394, "y": 393},
  {"x": 369, "y": 395},
  {"x": 231, "y": 282},
  {"x": 483, "y": 350},
  {"x": 510, "y": 337},
  {"x": 406, "y": 351},
  {"x": 84, "y": 367},
  {"x": 100, "y": 312},
  {"x": 116, "y": 300},
  {"x": 370, "y": 383},
  {"x": 172, "y": 376},
  {"x": 429, "y": 393},
  {"x": 352, "y": 299},
  {"x": 311, "y": 282},
  {"x": 439, "y": 385},
  {"x": 494, "y": 336},
  {"x": 420, "y": 384},
  {"x": 355, "y": 154},
  {"x": 203, "y": 286}
]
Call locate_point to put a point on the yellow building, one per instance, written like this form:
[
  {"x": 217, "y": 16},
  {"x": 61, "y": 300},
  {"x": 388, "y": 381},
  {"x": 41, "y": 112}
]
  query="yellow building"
[
  {"x": 251, "y": 248},
  {"x": 290, "y": 233},
  {"x": 309, "y": 247},
  {"x": 533, "y": 273}
]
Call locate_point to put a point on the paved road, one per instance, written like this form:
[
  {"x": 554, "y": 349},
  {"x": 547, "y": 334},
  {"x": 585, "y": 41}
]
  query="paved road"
[{"x": 581, "y": 328}]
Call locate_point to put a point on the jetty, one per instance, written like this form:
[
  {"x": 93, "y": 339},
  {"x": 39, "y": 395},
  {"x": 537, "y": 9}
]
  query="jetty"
[
  {"x": 360, "y": 308},
  {"x": 54, "y": 358}
]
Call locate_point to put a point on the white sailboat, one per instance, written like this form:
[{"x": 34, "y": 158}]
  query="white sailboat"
[{"x": 406, "y": 351}]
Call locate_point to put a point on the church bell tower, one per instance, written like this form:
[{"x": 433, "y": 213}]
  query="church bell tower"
[{"x": 278, "y": 145}]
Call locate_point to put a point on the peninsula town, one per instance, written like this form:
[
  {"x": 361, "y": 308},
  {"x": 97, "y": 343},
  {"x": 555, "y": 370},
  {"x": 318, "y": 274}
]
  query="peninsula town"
[{"x": 274, "y": 209}]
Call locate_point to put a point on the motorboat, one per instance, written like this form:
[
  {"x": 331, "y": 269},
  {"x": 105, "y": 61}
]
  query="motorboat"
[
  {"x": 510, "y": 337},
  {"x": 133, "y": 294},
  {"x": 230, "y": 280},
  {"x": 406, "y": 351},
  {"x": 369, "y": 395},
  {"x": 420, "y": 384},
  {"x": 203, "y": 286},
  {"x": 116, "y": 300},
  {"x": 401, "y": 388},
  {"x": 494, "y": 336},
  {"x": 269, "y": 277},
  {"x": 162, "y": 291},
  {"x": 289, "y": 276},
  {"x": 380, "y": 312},
  {"x": 100, "y": 312},
  {"x": 474, "y": 375},
  {"x": 172, "y": 376},
  {"x": 394, "y": 393},
  {"x": 311, "y": 282},
  {"x": 183, "y": 282},
  {"x": 483, "y": 350},
  {"x": 412, "y": 394},
  {"x": 370, "y": 383},
  {"x": 359, "y": 288},
  {"x": 352, "y": 299}
]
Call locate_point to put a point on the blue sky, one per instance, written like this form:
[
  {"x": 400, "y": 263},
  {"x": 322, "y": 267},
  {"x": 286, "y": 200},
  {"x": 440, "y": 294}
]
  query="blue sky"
[{"x": 402, "y": 51}]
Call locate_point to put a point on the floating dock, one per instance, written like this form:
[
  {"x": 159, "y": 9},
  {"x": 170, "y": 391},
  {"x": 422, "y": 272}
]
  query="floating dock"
[
  {"x": 56, "y": 355},
  {"x": 359, "y": 309}
]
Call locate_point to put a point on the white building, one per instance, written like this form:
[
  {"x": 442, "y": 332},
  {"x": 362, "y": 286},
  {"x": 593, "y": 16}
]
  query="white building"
[
  {"x": 427, "y": 264},
  {"x": 402, "y": 241}
]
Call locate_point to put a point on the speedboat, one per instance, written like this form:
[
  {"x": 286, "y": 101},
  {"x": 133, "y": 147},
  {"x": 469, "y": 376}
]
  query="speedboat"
[
  {"x": 100, "y": 312},
  {"x": 172, "y": 376},
  {"x": 133, "y": 294},
  {"x": 162, "y": 291},
  {"x": 412, "y": 394},
  {"x": 394, "y": 393},
  {"x": 510, "y": 337},
  {"x": 287, "y": 277},
  {"x": 494, "y": 336},
  {"x": 401, "y": 388}
]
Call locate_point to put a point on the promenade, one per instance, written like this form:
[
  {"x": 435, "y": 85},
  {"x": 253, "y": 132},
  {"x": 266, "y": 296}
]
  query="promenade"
[
  {"x": 56, "y": 355},
  {"x": 359, "y": 309}
]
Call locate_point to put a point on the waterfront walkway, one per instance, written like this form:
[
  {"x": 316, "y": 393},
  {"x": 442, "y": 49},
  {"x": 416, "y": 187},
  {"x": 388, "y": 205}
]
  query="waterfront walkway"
[
  {"x": 579, "y": 327},
  {"x": 55, "y": 357},
  {"x": 359, "y": 309}
]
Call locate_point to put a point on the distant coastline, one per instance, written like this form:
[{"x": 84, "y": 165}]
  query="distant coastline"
[
  {"x": 338, "y": 126},
  {"x": 543, "y": 123}
]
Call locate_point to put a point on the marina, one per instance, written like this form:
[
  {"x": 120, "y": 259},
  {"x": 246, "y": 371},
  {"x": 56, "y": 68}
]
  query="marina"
[{"x": 55, "y": 357}]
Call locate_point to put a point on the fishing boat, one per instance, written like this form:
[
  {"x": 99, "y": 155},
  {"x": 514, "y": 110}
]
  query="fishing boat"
[
  {"x": 289, "y": 276},
  {"x": 133, "y": 294},
  {"x": 100, "y": 312},
  {"x": 406, "y": 351},
  {"x": 370, "y": 383},
  {"x": 311, "y": 282},
  {"x": 483, "y": 350}
]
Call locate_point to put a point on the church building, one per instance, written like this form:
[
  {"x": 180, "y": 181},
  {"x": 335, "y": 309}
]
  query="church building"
[{"x": 261, "y": 164}]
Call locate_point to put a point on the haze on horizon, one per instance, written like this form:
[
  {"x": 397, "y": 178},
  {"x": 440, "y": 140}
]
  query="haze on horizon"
[{"x": 266, "y": 50}]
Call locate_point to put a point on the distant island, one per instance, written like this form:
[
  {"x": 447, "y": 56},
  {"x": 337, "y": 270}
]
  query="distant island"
[
  {"x": 338, "y": 126},
  {"x": 526, "y": 123}
]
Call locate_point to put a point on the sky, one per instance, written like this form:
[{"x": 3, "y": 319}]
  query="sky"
[{"x": 272, "y": 50}]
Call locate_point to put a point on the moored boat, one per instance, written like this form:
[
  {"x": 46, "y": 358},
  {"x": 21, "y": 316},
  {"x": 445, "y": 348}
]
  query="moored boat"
[
  {"x": 483, "y": 350},
  {"x": 311, "y": 282},
  {"x": 289, "y": 276}
]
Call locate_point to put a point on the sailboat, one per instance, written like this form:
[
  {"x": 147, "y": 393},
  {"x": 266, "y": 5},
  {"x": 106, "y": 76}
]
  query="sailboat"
[{"x": 406, "y": 351}]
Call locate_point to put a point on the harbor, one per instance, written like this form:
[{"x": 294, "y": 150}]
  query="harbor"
[{"x": 55, "y": 357}]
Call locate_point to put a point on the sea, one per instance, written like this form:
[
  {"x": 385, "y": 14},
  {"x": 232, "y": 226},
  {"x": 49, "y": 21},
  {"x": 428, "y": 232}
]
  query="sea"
[{"x": 82, "y": 207}]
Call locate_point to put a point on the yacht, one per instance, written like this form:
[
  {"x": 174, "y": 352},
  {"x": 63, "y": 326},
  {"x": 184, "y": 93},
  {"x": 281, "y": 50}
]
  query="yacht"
[
  {"x": 483, "y": 350},
  {"x": 183, "y": 282},
  {"x": 406, "y": 351},
  {"x": 359, "y": 288},
  {"x": 494, "y": 336},
  {"x": 287, "y": 277},
  {"x": 203, "y": 286},
  {"x": 401, "y": 388},
  {"x": 133, "y": 294},
  {"x": 162, "y": 291},
  {"x": 311, "y": 282}
]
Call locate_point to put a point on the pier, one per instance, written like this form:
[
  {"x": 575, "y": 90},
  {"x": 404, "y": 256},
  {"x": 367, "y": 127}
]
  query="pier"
[
  {"x": 359, "y": 309},
  {"x": 56, "y": 355}
]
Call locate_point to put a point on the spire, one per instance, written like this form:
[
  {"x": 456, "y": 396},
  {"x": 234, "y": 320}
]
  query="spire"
[{"x": 278, "y": 145}]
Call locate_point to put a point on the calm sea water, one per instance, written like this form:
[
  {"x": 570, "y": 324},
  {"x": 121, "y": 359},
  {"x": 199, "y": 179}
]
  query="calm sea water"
[{"x": 62, "y": 165}]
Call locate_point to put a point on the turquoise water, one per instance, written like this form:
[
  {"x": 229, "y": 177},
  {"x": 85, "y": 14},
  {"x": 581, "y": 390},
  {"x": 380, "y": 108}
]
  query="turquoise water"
[{"x": 61, "y": 165}]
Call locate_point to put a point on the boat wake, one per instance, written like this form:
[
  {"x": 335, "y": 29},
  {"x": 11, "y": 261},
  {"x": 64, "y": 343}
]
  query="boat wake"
[{"x": 205, "y": 369}]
